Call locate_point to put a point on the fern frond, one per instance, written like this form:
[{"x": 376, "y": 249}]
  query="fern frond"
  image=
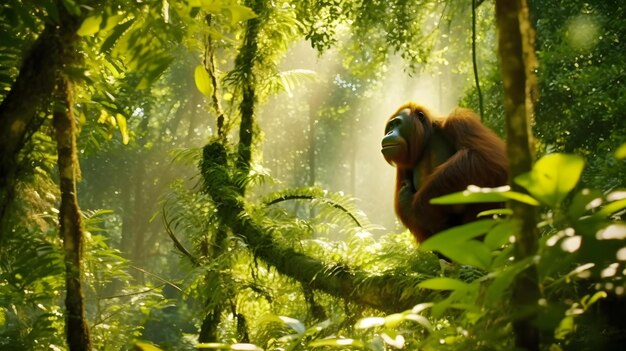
[
  {"x": 288, "y": 81},
  {"x": 179, "y": 246},
  {"x": 318, "y": 196},
  {"x": 186, "y": 156}
]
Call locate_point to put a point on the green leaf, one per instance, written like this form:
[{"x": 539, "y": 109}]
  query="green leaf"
[
  {"x": 500, "y": 234},
  {"x": 620, "y": 153},
  {"x": 457, "y": 234},
  {"x": 90, "y": 26},
  {"x": 221, "y": 346},
  {"x": 144, "y": 346},
  {"x": 112, "y": 21},
  {"x": 212, "y": 6},
  {"x": 495, "y": 290},
  {"x": 597, "y": 296},
  {"x": 617, "y": 202},
  {"x": 474, "y": 194},
  {"x": 394, "y": 319},
  {"x": 121, "y": 123},
  {"x": 115, "y": 35},
  {"x": 52, "y": 10},
  {"x": 495, "y": 212},
  {"x": 72, "y": 7},
  {"x": 240, "y": 13},
  {"x": 583, "y": 202},
  {"x": 552, "y": 178},
  {"x": 337, "y": 343},
  {"x": 245, "y": 347},
  {"x": 203, "y": 81},
  {"x": 444, "y": 283},
  {"x": 565, "y": 328},
  {"x": 472, "y": 252}
]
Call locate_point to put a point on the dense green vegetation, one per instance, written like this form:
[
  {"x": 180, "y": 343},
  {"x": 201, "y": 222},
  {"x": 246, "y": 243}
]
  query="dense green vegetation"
[{"x": 206, "y": 174}]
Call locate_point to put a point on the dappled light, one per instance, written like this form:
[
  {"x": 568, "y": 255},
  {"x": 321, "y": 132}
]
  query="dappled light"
[
  {"x": 312, "y": 175},
  {"x": 583, "y": 32}
]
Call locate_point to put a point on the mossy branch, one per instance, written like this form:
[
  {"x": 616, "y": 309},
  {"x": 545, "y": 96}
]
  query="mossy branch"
[{"x": 386, "y": 292}]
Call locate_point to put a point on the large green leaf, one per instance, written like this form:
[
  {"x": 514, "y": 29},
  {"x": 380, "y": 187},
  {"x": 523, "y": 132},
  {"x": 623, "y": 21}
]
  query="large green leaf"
[
  {"x": 90, "y": 26},
  {"x": 457, "y": 244},
  {"x": 115, "y": 35},
  {"x": 474, "y": 194},
  {"x": 461, "y": 233},
  {"x": 337, "y": 342},
  {"x": 240, "y": 13},
  {"x": 472, "y": 252},
  {"x": 585, "y": 201},
  {"x": 121, "y": 123},
  {"x": 444, "y": 283},
  {"x": 503, "y": 281},
  {"x": 500, "y": 234},
  {"x": 144, "y": 346},
  {"x": 203, "y": 81},
  {"x": 552, "y": 178}
]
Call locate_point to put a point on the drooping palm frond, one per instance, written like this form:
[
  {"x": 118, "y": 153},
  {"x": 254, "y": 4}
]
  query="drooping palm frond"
[{"x": 317, "y": 196}]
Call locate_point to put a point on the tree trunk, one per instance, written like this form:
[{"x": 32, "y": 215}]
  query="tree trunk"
[
  {"x": 30, "y": 93},
  {"x": 210, "y": 66},
  {"x": 517, "y": 62},
  {"x": 71, "y": 230},
  {"x": 245, "y": 61},
  {"x": 208, "y": 329},
  {"x": 475, "y": 62}
]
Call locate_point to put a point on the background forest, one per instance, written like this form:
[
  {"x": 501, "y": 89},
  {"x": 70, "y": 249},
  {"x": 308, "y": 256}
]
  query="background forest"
[{"x": 206, "y": 174}]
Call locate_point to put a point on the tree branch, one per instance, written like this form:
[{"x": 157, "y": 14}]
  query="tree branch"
[{"x": 390, "y": 293}]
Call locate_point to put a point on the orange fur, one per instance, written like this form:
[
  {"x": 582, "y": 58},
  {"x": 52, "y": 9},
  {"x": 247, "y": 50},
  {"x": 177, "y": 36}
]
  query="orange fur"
[{"x": 445, "y": 156}]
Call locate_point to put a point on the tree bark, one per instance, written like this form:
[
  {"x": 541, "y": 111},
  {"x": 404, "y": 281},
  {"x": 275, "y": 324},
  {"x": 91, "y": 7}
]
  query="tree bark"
[
  {"x": 210, "y": 66},
  {"x": 30, "y": 93},
  {"x": 475, "y": 62},
  {"x": 517, "y": 63},
  {"x": 71, "y": 231},
  {"x": 245, "y": 61},
  {"x": 391, "y": 293}
]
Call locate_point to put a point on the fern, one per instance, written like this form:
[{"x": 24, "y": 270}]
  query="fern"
[
  {"x": 316, "y": 197},
  {"x": 287, "y": 81}
]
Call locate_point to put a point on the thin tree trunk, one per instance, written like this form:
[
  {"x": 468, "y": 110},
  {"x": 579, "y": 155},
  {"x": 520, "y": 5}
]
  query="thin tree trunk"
[
  {"x": 245, "y": 61},
  {"x": 30, "y": 93},
  {"x": 475, "y": 63},
  {"x": 71, "y": 229},
  {"x": 208, "y": 329},
  {"x": 209, "y": 65},
  {"x": 517, "y": 62}
]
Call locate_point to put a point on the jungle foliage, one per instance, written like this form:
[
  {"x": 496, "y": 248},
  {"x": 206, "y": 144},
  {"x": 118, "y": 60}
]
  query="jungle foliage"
[{"x": 206, "y": 156}]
